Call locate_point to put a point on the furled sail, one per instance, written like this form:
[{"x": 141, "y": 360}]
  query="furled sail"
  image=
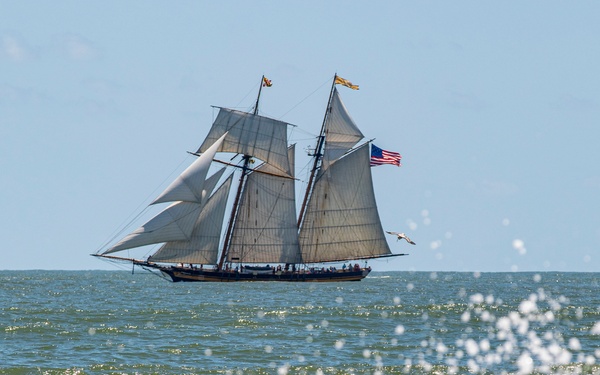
[
  {"x": 265, "y": 230},
  {"x": 203, "y": 246},
  {"x": 249, "y": 134},
  {"x": 341, "y": 133},
  {"x": 341, "y": 221}
]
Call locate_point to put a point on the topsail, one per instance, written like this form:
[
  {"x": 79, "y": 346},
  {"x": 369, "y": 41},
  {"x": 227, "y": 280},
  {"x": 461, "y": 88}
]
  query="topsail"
[{"x": 250, "y": 134}]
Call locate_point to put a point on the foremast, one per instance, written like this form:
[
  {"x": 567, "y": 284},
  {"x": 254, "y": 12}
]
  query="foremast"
[{"x": 236, "y": 203}]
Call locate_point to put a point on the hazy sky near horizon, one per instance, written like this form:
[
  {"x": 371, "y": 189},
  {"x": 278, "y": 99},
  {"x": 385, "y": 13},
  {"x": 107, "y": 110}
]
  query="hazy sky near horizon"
[{"x": 494, "y": 106}]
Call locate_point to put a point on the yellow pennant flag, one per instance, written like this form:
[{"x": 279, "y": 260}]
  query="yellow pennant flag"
[
  {"x": 345, "y": 82},
  {"x": 267, "y": 82}
]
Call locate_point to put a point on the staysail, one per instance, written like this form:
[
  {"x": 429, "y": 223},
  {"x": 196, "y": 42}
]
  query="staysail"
[
  {"x": 189, "y": 186},
  {"x": 177, "y": 221},
  {"x": 203, "y": 246}
]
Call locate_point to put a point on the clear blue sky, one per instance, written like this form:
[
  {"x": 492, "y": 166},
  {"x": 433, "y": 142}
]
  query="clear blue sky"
[{"x": 494, "y": 106}]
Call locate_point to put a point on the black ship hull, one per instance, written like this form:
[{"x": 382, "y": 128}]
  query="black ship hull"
[{"x": 184, "y": 274}]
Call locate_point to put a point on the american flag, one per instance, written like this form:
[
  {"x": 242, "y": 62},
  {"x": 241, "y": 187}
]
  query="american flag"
[{"x": 379, "y": 157}]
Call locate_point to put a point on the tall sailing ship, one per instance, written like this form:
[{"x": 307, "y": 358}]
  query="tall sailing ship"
[{"x": 259, "y": 237}]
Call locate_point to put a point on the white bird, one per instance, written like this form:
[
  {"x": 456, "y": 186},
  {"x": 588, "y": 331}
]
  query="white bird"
[{"x": 402, "y": 236}]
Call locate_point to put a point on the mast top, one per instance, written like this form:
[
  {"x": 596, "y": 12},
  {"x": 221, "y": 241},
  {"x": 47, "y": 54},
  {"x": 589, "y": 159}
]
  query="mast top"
[{"x": 264, "y": 82}]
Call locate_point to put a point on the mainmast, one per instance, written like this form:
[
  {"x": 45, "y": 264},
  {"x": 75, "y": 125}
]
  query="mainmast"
[
  {"x": 240, "y": 189},
  {"x": 318, "y": 154}
]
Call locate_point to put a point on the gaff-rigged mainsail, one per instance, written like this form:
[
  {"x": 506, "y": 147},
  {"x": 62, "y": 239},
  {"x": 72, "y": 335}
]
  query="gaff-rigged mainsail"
[
  {"x": 341, "y": 221},
  {"x": 265, "y": 230}
]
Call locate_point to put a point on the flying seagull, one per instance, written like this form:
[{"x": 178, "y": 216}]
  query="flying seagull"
[{"x": 402, "y": 236}]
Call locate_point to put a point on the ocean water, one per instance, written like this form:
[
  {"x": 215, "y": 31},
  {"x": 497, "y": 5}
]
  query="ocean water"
[{"x": 116, "y": 322}]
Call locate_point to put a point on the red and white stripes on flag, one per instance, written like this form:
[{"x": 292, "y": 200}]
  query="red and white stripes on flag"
[{"x": 379, "y": 157}]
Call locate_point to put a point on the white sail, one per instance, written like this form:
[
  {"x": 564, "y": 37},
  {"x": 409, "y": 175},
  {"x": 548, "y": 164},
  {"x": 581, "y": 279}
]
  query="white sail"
[
  {"x": 249, "y": 134},
  {"x": 203, "y": 246},
  {"x": 189, "y": 186},
  {"x": 341, "y": 133},
  {"x": 265, "y": 230},
  {"x": 211, "y": 182},
  {"x": 341, "y": 220},
  {"x": 175, "y": 223}
]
